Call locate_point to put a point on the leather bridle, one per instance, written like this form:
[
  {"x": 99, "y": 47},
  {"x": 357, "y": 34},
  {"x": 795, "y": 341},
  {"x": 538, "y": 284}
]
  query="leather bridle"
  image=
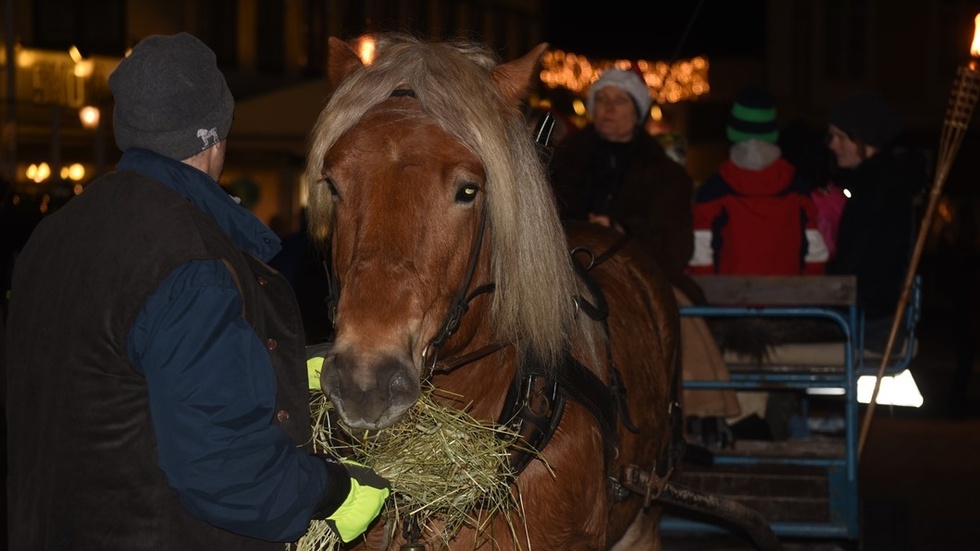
[{"x": 460, "y": 304}]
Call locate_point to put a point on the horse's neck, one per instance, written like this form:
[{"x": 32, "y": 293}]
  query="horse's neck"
[{"x": 481, "y": 385}]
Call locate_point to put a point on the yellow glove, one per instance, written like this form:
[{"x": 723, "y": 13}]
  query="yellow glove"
[
  {"x": 315, "y": 354},
  {"x": 314, "y": 366},
  {"x": 367, "y": 495}
]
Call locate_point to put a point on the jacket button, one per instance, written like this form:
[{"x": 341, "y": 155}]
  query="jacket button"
[
  {"x": 282, "y": 416},
  {"x": 262, "y": 281},
  {"x": 271, "y": 343}
]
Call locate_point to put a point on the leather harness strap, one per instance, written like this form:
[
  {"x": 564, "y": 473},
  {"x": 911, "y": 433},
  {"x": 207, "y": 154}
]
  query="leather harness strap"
[{"x": 536, "y": 402}]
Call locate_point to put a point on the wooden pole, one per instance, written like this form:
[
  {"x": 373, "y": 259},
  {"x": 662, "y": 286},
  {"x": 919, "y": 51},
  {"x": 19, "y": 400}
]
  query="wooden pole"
[{"x": 966, "y": 88}]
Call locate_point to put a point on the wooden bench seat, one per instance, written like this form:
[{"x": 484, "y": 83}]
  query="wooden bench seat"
[{"x": 800, "y": 294}]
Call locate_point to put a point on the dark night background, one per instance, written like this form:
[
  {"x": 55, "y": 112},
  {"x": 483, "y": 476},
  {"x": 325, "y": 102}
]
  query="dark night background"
[{"x": 658, "y": 30}]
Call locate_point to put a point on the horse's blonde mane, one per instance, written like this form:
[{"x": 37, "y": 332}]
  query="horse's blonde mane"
[{"x": 532, "y": 305}]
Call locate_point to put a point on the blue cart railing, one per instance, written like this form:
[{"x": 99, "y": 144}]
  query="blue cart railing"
[{"x": 806, "y": 487}]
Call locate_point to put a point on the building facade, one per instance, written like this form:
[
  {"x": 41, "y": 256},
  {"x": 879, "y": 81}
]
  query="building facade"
[
  {"x": 273, "y": 53},
  {"x": 57, "y": 55}
]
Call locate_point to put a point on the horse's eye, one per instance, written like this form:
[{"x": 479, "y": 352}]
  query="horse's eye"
[
  {"x": 330, "y": 187},
  {"x": 467, "y": 193}
]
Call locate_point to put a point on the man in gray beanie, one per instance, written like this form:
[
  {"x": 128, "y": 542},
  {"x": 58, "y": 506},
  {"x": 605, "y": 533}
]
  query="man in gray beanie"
[
  {"x": 157, "y": 388},
  {"x": 171, "y": 98}
]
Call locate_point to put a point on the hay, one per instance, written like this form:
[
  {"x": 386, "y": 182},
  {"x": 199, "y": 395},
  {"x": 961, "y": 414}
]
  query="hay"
[{"x": 446, "y": 468}]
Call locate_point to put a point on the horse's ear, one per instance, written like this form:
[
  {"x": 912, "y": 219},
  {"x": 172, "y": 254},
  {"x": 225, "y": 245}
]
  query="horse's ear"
[
  {"x": 513, "y": 78},
  {"x": 342, "y": 60}
]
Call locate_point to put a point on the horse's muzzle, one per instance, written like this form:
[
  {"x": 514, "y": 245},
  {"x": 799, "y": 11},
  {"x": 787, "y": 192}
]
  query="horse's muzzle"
[{"x": 369, "y": 392}]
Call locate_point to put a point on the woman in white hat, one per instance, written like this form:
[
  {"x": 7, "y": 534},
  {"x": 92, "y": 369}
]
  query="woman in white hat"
[{"x": 614, "y": 173}]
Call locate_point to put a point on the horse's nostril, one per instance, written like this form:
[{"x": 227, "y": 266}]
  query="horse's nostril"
[{"x": 400, "y": 383}]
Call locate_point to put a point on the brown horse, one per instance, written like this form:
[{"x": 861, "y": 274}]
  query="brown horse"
[{"x": 452, "y": 265}]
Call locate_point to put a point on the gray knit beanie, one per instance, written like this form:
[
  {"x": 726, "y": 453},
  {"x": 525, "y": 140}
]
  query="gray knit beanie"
[{"x": 170, "y": 97}]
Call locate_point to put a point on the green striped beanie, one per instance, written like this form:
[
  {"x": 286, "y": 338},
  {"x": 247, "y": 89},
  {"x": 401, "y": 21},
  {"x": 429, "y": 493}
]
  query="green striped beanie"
[{"x": 753, "y": 116}]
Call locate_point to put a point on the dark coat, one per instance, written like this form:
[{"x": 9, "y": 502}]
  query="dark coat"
[
  {"x": 84, "y": 468},
  {"x": 876, "y": 230},
  {"x": 645, "y": 191}
]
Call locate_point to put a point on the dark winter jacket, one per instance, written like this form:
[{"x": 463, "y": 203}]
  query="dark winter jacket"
[
  {"x": 158, "y": 395},
  {"x": 638, "y": 186},
  {"x": 875, "y": 236}
]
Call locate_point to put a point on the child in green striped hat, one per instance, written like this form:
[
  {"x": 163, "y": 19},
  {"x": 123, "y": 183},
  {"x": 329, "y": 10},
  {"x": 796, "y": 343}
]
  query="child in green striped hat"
[
  {"x": 753, "y": 116},
  {"x": 755, "y": 216}
]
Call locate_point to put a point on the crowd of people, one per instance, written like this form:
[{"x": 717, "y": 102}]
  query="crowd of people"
[
  {"x": 771, "y": 208},
  {"x": 151, "y": 323}
]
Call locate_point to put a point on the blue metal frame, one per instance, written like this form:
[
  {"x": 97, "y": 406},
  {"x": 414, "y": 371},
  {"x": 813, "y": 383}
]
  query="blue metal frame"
[{"x": 841, "y": 472}]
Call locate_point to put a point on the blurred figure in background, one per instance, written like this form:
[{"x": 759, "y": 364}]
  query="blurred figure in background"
[
  {"x": 304, "y": 265},
  {"x": 755, "y": 217},
  {"x": 876, "y": 232},
  {"x": 613, "y": 173},
  {"x": 806, "y": 150}
]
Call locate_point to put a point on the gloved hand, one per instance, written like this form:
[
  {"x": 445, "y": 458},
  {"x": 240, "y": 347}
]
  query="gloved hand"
[
  {"x": 366, "y": 496},
  {"x": 315, "y": 354}
]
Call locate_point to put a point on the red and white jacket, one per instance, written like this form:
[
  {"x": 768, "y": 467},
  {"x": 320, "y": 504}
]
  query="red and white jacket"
[{"x": 756, "y": 222}]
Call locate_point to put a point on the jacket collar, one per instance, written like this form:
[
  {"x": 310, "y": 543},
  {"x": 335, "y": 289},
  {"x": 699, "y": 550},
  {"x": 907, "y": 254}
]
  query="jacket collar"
[
  {"x": 241, "y": 224},
  {"x": 771, "y": 180}
]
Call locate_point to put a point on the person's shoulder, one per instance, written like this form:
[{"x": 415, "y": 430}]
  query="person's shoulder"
[
  {"x": 579, "y": 139},
  {"x": 649, "y": 151},
  {"x": 916, "y": 164},
  {"x": 897, "y": 170},
  {"x": 799, "y": 185},
  {"x": 651, "y": 145}
]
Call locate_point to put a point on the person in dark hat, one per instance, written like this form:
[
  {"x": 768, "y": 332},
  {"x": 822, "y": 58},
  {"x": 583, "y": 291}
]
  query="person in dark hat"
[
  {"x": 755, "y": 216},
  {"x": 875, "y": 235},
  {"x": 157, "y": 395}
]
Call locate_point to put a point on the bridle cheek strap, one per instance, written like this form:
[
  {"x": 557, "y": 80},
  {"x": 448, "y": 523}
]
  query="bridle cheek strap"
[{"x": 460, "y": 304}]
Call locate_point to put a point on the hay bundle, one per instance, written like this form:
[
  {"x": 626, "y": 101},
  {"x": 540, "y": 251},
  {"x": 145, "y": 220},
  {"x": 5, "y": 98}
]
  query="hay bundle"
[{"x": 444, "y": 466}]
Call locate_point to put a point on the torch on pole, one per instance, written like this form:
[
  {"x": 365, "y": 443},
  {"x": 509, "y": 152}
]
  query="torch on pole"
[{"x": 962, "y": 99}]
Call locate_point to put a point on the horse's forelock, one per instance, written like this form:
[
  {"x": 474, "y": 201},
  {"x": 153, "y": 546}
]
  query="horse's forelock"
[{"x": 355, "y": 96}]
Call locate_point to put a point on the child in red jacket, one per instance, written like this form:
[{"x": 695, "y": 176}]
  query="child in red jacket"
[{"x": 754, "y": 216}]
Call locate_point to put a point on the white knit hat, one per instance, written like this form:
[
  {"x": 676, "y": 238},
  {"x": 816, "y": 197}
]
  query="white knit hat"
[{"x": 628, "y": 81}]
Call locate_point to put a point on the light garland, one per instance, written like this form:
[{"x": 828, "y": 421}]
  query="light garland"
[{"x": 668, "y": 83}]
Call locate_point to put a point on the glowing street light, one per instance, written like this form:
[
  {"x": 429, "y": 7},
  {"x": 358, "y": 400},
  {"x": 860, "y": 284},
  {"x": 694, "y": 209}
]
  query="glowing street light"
[{"x": 89, "y": 116}]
